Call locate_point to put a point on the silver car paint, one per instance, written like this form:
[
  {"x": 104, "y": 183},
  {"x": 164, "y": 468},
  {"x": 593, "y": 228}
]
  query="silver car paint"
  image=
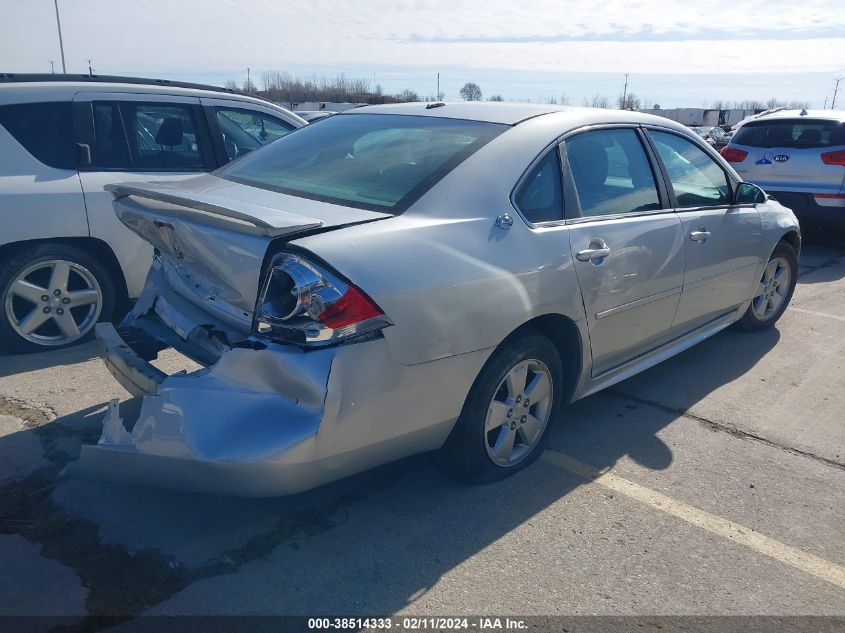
[{"x": 273, "y": 419}]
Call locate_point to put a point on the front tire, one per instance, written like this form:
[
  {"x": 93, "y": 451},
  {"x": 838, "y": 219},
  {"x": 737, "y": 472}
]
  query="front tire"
[
  {"x": 774, "y": 291},
  {"x": 51, "y": 296},
  {"x": 505, "y": 420}
]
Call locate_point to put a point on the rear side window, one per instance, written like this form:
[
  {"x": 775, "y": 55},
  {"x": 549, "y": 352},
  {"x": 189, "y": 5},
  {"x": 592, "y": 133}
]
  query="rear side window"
[
  {"x": 382, "y": 162},
  {"x": 800, "y": 133},
  {"x": 146, "y": 136},
  {"x": 540, "y": 198},
  {"x": 44, "y": 129},
  {"x": 611, "y": 173}
]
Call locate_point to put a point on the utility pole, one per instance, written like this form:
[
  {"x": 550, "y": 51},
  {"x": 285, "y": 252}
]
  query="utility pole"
[
  {"x": 835, "y": 90},
  {"x": 52, "y": 67},
  {"x": 824, "y": 107},
  {"x": 437, "y": 96},
  {"x": 625, "y": 92},
  {"x": 61, "y": 44},
  {"x": 90, "y": 70},
  {"x": 248, "y": 84}
]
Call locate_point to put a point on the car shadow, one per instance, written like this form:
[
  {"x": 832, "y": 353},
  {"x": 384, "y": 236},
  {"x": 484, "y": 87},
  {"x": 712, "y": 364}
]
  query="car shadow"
[
  {"x": 11, "y": 364},
  {"x": 370, "y": 544}
]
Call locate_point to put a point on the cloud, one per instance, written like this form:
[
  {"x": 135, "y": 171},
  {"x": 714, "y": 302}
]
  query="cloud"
[{"x": 638, "y": 36}]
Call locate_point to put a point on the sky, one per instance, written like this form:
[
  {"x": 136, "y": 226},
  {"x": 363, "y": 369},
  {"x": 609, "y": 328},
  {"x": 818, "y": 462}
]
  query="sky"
[{"x": 677, "y": 54}]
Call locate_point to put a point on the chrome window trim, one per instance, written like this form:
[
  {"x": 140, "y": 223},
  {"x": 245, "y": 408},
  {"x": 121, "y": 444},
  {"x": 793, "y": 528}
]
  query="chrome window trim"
[{"x": 618, "y": 216}]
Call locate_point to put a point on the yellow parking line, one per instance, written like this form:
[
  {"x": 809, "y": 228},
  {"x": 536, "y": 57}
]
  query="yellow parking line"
[
  {"x": 818, "y": 314},
  {"x": 740, "y": 534}
]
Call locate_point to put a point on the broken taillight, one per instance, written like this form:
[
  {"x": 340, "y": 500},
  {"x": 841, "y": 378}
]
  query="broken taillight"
[{"x": 302, "y": 302}]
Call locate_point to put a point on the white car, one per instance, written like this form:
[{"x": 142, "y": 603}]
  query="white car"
[
  {"x": 66, "y": 262},
  {"x": 798, "y": 157}
]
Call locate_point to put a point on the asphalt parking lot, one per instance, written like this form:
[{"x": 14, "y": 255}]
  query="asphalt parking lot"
[{"x": 713, "y": 484}]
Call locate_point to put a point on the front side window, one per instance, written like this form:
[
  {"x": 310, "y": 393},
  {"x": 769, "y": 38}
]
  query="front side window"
[
  {"x": 611, "y": 173},
  {"x": 145, "y": 137},
  {"x": 45, "y": 130},
  {"x": 245, "y": 130},
  {"x": 540, "y": 197},
  {"x": 368, "y": 161},
  {"x": 697, "y": 179}
]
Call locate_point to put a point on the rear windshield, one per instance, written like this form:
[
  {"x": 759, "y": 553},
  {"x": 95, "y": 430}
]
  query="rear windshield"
[
  {"x": 381, "y": 162},
  {"x": 794, "y": 133}
]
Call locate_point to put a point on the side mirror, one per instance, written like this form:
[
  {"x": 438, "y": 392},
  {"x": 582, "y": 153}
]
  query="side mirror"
[
  {"x": 83, "y": 155},
  {"x": 749, "y": 193}
]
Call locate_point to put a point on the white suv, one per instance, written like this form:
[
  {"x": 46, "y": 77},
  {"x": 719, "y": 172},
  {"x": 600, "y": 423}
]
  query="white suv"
[
  {"x": 799, "y": 159},
  {"x": 66, "y": 262}
]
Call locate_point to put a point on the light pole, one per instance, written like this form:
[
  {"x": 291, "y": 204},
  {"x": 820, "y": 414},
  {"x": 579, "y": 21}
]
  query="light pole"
[
  {"x": 625, "y": 92},
  {"x": 61, "y": 44},
  {"x": 90, "y": 70}
]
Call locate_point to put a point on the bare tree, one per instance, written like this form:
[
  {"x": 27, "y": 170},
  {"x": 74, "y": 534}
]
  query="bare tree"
[
  {"x": 598, "y": 101},
  {"x": 249, "y": 86},
  {"x": 471, "y": 92},
  {"x": 407, "y": 95},
  {"x": 283, "y": 88},
  {"x": 629, "y": 102},
  {"x": 231, "y": 85},
  {"x": 564, "y": 99},
  {"x": 495, "y": 98}
]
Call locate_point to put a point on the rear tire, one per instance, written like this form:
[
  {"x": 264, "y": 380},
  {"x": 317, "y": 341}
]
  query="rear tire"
[
  {"x": 774, "y": 291},
  {"x": 505, "y": 421},
  {"x": 51, "y": 296}
]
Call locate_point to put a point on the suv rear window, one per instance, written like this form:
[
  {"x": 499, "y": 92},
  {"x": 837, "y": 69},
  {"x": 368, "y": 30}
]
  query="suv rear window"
[
  {"x": 381, "y": 162},
  {"x": 44, "y": 129},
  {"x": 794, "y": 133}
]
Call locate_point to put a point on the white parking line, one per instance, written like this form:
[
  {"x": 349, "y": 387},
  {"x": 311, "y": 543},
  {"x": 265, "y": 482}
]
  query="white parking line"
[
  {"x": 818, "y": 314},
  {"x": 740, "y": 534}
]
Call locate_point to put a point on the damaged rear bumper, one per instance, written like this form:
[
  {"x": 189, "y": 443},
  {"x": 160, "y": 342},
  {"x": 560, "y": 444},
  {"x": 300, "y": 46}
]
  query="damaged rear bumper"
[
  {"x": 273, "y": 419},
  {"x": 135, "y": 374}
]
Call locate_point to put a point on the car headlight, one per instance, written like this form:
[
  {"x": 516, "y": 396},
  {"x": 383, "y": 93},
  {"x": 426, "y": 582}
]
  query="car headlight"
[{"x": 302, "y": 302}]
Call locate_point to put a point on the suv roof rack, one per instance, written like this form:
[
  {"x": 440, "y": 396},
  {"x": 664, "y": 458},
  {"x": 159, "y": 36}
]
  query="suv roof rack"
[{"x": 116, "y": 79}]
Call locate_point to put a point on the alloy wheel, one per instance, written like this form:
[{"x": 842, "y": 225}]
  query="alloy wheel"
[
  {"x": 53, "y": 302},
  {"x": 518, "y": 413},
  {"x": 772, "y": 289}
]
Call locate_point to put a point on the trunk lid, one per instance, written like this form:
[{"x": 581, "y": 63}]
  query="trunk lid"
[{"x": 213, "y": 234}]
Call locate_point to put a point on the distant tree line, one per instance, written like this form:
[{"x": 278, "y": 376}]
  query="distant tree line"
[{"x": 285, "y": 88}]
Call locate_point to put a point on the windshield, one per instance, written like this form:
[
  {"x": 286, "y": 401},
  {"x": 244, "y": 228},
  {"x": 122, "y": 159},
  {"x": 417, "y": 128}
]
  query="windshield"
[
  {"x": 793, "y": 133},
  {"x": 382, "y": 162}
]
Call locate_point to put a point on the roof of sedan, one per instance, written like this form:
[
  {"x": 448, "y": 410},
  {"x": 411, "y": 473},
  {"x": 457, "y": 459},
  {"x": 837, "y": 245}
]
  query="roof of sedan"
[{"x": 499, "y": 112}]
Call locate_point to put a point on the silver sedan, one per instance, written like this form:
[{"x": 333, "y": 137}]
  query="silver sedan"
[{"x": 411, "y": 278}]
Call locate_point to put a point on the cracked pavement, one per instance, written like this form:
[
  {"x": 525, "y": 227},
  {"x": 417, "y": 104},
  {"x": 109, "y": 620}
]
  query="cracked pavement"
[{"x": 746, "y": 428}]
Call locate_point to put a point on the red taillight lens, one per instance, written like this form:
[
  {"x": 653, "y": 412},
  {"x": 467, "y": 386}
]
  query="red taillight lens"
[
  {"x": 307, "y": 303},
  {"x": 834, "y": 158},
  {"x": 733, "y": 155},
  {"x": 353, "y": 307}
]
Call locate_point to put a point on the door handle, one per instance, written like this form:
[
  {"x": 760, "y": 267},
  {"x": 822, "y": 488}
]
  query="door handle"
[
  {"x": 598, "y": 250},
  {"x": 700, "y": 235}
]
